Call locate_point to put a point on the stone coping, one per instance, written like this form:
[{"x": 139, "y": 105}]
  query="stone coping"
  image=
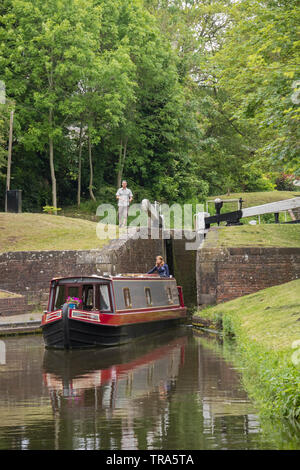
[{"x": 10, "y": 295}]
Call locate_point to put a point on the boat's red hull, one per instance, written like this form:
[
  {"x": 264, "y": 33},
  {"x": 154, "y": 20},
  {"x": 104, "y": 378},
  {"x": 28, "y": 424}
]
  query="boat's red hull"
[{"x": 72, "y": 328}]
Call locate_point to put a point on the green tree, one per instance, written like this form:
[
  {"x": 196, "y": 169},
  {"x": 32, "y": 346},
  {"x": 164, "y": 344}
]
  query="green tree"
[
  {"x": 218, "y": 147},
  {"x": 257, "y": 67},
  {"x": 152, "y": 143},
  {"x": 237, "y": 59},
  {"x": 51, "y": 47}
]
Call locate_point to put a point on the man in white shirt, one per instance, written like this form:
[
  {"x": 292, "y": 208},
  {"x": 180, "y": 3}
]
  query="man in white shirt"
[{"x": 124, "y": 196}]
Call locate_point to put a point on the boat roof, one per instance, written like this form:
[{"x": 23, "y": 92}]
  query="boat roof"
[
  {"x": 93, "y": 276},
  {"x": 139, "y": 276},
  {"x": 116, "y": 277}
]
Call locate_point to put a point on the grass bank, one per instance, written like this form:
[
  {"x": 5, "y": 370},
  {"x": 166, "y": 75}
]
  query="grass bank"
[
  {"x": 255, "y": 198},
  {"x": 276, "y": 235},
  {"x": 35, "y": 232},
  {"x": 266, "y": 329}
]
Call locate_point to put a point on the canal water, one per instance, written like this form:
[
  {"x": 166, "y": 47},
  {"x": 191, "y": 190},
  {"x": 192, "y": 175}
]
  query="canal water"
[{"x": 173, "y": 391}]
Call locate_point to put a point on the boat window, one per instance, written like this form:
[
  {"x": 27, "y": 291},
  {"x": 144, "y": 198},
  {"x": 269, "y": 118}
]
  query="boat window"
[
  {"x": 104, "y": 298},
  {"x": 127, "y": 297},
  {"x": 170, "y": 297},
  {"x": 148, "y": 295},
  {"x": 73, "y": 291},
  {"x": 59, "y": 297},
  {"x": 88, "y": 297}
]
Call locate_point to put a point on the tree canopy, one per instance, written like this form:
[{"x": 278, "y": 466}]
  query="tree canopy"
[{"x": 183, "y": 99}]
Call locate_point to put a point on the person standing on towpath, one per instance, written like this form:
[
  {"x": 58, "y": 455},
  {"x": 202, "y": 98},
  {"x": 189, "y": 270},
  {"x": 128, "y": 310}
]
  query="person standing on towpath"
[{"x": 124, "y": 196}]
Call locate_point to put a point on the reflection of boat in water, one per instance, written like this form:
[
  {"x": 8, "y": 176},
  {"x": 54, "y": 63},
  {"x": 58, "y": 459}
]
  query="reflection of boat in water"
[
  {"x": 115, "y": 376},
  {"x": 92, "y": 311}
]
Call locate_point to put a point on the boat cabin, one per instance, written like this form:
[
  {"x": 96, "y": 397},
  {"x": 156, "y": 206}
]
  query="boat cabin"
[{"x": 115, "y": 294}]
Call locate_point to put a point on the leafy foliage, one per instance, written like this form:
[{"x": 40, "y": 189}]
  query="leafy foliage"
[
  {"x": 183, "y": 99},
  {"x": 258, "y": 68}
]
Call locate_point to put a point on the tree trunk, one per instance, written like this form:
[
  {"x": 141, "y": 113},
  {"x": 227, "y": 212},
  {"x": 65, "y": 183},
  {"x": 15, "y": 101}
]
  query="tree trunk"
[
  {"x": 79, "y": 167},
  {"x": 119, "y": 174},
  {"x": 122, "y": 156},
  {"x": 9, "y": 155},
  {"x": 52, "y": 170},
  {"x": 91, "y": 170}
]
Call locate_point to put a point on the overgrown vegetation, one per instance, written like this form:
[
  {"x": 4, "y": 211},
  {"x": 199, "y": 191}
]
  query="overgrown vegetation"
[{"x": 266, "y": 329}]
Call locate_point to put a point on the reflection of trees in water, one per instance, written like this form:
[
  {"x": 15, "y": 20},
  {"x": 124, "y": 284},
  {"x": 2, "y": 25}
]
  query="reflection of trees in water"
[
  {"x": 226, "y": 404},
  {"x": 226, "y": 410},
  {"x": 200, "y": 379},
  {"x": 172, "y": 393}
]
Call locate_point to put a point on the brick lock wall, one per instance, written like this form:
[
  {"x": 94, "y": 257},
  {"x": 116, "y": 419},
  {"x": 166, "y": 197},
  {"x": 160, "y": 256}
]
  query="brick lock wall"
[
  {"x": 136, "y": 255},
  {"x": 227, "y": 273},
  {"x": 184, "y": 271},
  {"x": 221, "y": 274},
  {"x": 29, "y": 273},
  {"x": 13, "y": 306}
]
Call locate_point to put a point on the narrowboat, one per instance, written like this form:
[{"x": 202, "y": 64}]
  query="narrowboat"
[{"x": 91, "y": 311}]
